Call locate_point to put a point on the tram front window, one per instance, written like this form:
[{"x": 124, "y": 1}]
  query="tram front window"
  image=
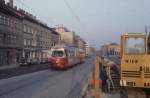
[
  {"x": 135, "y": 45},
  {"x": 57, "y": 54}
]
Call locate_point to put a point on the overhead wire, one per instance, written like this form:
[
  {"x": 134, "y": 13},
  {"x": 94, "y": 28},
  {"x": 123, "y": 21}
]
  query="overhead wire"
[
  {"x": 26, "y": 6},
  {"x": 67, "y": 4},
  {"x": 75, "y": 15},
  {"x": 35, "y": 12},
  {"x": 82, "y": 26}
]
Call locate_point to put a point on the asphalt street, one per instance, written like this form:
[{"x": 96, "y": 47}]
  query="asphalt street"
[{"x": 48, "y": 83}]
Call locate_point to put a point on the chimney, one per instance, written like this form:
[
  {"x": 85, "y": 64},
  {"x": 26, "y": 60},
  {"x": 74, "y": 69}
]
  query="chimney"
[{"x": 11, "y": 3}]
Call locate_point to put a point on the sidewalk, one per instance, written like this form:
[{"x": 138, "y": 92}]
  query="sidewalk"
[{"x": 9, "y": 66}]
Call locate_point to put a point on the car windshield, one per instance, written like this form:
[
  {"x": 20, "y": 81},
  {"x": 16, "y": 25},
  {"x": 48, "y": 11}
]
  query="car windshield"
[
  {"x": 57, "y": 54},
  {"x": 135, "y": 45}
]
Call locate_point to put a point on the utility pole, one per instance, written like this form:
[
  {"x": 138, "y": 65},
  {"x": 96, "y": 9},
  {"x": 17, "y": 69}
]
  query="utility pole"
[{"x": 146, "y": 30}]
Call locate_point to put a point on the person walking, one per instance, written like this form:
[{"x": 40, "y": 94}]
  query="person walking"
[{"x": 103, "y": 77}]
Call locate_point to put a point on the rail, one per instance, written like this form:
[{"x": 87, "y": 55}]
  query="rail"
[
  {"x": 97, "y": 82},
  {"x": 94, "y": 88}
]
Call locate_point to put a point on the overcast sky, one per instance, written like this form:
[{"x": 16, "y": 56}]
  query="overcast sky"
[{"x": 101, "y": 21}]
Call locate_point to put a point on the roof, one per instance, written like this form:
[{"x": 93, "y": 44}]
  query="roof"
[
  {"x": 54, "y": 32},
  {"x": 21, "y": 14},
  {"x": 6, "y": 9}
]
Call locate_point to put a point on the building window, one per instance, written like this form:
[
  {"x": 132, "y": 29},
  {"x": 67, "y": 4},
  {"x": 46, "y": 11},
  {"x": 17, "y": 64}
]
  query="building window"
[
  {"x": 32, "y": 30},
  {"x": 6, "y": 20},
  {"x": 8, "y": 40},
  {"x": 33, "y": 43},
  {"x": 15, "y": 24},
  {"x": 25, "y": 42},
  {"x": 11, "y": 23},
  {"x": 28, "y": 29},
  {"x": 19, "y": 25},
  {"x": 1, "y": 38},
  {"x": 25, "y": 28},
  {"x": 1, "y": 19},
  {"x": 14, "y": 39},
  {"x": 29, "y": 42},
  {"x": 11, "y": 39}
]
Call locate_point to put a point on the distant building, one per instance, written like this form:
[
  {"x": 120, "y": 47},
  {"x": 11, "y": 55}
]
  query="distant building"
[
  {"x": 104, "y": 50},
  {"x": 55, "y": 38},
  {"x": 88, "y": 49},
  {"x": 66, "y": 37},
  {"x": 111, "y": 49},
  {"x": 37, "y": 37},
  {"x": 80, "y": 43},
  {"x": 60, "y": 28}
]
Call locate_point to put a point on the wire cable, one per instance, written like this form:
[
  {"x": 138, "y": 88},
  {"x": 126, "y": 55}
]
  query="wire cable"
[
  {"x": 35, "y": 12},
  {"x": 82, "y": 26},
  {"x": 75, "y": 16}
]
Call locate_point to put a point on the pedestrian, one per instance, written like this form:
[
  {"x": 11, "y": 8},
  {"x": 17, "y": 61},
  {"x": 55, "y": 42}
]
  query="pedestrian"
[{"x": 103, "y": 77}]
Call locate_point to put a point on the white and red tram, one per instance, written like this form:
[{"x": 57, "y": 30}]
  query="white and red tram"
[
  {"x": 63, "y": 57},
  {"x": 81, "y": 55}
]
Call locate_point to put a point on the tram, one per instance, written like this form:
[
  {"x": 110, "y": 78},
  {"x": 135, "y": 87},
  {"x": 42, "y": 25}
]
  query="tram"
[{"x": 63, "y": 57}]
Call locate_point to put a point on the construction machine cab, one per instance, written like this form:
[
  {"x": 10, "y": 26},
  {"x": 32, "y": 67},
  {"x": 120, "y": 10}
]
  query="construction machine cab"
[
  {"x": 148, "y": 44},
  {"x": 133, "y": 44},
  {"x": 135, "y": 64}
]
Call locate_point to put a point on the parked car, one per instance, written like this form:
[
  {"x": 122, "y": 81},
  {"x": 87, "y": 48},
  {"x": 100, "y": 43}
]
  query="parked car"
[{"x": 23, "y": 62}]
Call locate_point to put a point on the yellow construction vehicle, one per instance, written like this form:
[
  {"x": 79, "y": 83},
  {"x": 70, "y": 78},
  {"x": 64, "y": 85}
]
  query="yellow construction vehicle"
[{"x": 135, "y": 65}]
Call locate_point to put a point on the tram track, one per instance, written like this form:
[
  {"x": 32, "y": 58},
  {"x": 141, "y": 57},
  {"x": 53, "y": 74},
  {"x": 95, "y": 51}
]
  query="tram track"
[
  {"x": 33, "y": 80},
  {"x": 12, "y": 72},
  {"x": 77, "y": 90},
  {"x": 51, "y": 83},
  {"x": 30, "y": 81}
]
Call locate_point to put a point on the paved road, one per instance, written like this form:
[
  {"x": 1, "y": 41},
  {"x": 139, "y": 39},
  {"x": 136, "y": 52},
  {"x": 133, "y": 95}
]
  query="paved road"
[
  {"x": 20, "y": 70},
  {"x": 47, "y": 83}
]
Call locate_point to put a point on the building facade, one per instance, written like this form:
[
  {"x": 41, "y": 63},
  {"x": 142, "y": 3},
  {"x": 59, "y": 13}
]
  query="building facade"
[
  {"x": 55, "y": 38},
  {"x": 88, "y": 51},
  {"x": 80, "y": 43},
  {"x": 11, "y": 43},
  {"x": 23, "y": 36},
  {"x": 111, "y": 49},
  {"x": 66, "y": 37},
  {"x": 38, "y": 38}
]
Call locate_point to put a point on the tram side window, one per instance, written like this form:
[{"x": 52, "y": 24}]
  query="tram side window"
[
  {"x": 71, "y": 53},
  {"x": 66, "y": 53}
]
